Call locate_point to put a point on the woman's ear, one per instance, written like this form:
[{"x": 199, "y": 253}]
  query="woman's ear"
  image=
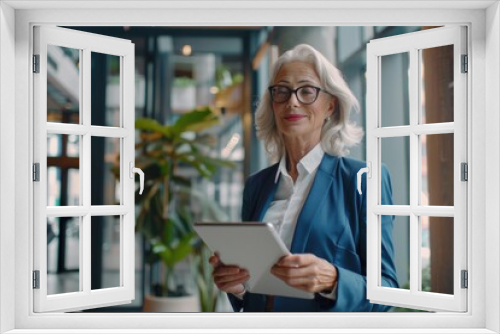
[{"x": 332, "y": 106}]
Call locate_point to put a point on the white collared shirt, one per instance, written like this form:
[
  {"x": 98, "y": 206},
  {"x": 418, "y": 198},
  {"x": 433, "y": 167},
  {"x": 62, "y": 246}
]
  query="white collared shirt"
[{"x": 290, "y": 197}]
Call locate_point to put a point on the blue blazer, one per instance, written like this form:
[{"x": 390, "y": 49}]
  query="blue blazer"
[{"x": 332, "y": 226}]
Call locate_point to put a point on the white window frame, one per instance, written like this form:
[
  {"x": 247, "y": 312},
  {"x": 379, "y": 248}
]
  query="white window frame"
[
  {"x": 483, "y": 20},
  {"x": 86, "y": 43},
  {"x": 413, "y": 44}
]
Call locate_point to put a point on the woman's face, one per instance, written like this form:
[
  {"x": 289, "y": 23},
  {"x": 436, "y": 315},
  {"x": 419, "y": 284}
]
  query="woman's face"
[{"x": 294, "y": 119}]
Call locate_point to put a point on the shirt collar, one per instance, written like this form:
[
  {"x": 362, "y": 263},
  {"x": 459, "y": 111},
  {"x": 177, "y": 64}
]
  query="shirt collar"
[{"x": 309, "y": 162}]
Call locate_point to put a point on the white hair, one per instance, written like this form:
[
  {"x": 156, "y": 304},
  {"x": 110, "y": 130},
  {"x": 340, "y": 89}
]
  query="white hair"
[{"x": 338, "y": 132}]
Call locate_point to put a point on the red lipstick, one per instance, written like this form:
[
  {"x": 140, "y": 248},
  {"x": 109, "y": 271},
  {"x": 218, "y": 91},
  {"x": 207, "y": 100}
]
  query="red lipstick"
[{"x": 294, "y": 117}]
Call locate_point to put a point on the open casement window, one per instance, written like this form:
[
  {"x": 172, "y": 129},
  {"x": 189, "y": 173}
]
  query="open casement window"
[
  {"x": 417, "y": 129},
  {"x": 76, "y": 156}
]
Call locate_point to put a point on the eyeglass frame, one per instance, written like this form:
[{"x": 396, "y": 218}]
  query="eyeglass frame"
[{"x": 294, "y": 91}]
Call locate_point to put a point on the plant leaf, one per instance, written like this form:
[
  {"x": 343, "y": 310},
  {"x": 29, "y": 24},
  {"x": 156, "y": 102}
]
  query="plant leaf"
[
  {"x": 183, "y": 249},
  {"x": 195, "y": 120},
  {"x": 148, "y": 124}
]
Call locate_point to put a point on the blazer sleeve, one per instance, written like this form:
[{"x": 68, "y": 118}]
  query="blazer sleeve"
[{"x": 351, "y": 288}]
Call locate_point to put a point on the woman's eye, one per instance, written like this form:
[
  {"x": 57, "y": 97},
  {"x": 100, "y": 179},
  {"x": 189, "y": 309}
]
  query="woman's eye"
[{"x": 307, "y": 91}]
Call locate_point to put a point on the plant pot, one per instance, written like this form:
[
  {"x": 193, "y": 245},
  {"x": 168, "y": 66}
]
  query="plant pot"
[
  {"x": 171, "y": 304},
  {"x": 183, "y": 99}
]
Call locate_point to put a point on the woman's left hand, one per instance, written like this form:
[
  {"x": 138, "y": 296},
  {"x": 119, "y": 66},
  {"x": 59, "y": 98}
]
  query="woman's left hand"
[{"x": 306, "y": 272}]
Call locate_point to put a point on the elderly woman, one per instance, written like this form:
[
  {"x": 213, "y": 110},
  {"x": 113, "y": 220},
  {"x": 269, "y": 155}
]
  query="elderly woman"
[{"x": 310, "y": 194}]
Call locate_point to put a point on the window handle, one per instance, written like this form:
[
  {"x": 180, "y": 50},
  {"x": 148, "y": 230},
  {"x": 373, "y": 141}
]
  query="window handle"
[
  {"x": 368, "y": 170},
  {"x": 141, "y": 176}
]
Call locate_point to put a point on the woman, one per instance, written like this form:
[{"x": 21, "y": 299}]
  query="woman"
[{"x": 310, "y": 194}]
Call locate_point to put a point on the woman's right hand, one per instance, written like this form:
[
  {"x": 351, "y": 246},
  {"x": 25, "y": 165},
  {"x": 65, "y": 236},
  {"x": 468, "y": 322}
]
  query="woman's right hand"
[{"x": 229, "y": 279}]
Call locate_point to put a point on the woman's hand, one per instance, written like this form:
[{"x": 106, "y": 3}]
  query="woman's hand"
[
  {"x": 306, "y": 272},
  {"x": 229, "y": 279}
]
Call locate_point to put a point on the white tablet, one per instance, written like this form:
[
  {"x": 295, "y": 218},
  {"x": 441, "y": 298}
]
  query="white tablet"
[{"x": 254, "y": 246}]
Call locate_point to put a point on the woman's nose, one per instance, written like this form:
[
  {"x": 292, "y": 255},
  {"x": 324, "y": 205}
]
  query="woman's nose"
[{"x": 293, "y": 100}]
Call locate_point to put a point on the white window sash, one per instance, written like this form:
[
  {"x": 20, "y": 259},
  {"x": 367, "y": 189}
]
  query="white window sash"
[
  {"x": 412, "y": 43},
  {"x": 85, "y": 297}
]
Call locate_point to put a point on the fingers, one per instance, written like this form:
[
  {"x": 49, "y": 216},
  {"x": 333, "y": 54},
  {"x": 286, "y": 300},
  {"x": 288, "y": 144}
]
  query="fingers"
[
  {"x": 214, "y": 261},
  {"x": 297, "y": 260},
  {"x": 226, "y": 272},
  {"x": 306, "y": 272},
  {"x": 311, "y": 283},
  {"x": 292, "y": 271},
  {"x": 224, "y": 283},
  {"x": 230, "y": 278}
]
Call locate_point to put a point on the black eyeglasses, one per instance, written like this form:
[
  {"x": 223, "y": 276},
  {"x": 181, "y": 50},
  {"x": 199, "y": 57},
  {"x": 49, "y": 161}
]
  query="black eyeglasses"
[{"x": 305, "y": 94}]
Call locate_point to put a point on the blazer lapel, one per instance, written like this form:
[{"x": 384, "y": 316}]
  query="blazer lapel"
[
  {"x": 317, "y": 194},
  {"x": 265, "y": 195}
]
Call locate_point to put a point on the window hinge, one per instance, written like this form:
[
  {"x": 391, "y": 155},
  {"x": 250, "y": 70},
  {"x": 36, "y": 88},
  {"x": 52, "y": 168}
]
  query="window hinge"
[
  {"x": 36, "y": 63},
  {"x": 465, "y": 64},
  {"x": 464, "y": 171},
  {"x": 36, "y": 172},
  {"x": 465, "y": 279},
  {"x": 36, "y": 279}
]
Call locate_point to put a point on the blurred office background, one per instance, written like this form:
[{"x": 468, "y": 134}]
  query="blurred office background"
[{"x": 226, "y": 68}]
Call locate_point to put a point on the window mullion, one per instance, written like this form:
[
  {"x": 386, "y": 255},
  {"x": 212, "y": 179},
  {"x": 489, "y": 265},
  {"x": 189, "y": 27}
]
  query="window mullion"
[
  {"x": 82, "y": 233},
  {"x": 86, "y": 170},
  {"x": 414, "y": 171}
]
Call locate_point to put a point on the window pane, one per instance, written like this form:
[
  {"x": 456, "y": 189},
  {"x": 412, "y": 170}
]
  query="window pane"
[
  {"x": 63, "y": 145},
  {"x": 105, "y": 252},
  {"x": 63, "y": 84},
  {"x": 105, "y": 172},
  {"x": 395, "y": 155},
  {"x": 437, "y": 169},
  {"x": 394, "y": 99},
  {"x": 53, "y": 186},
  {"x": 437, "y": 254},
  {"x": 436, "y": 68},
  {"x": 73, "y": 192},
  {"x": 63, "y": 255},
  {"x": 63, "y": 174},
  {"x": 106, "y": 94},
  {"x": 73, "y": 146},
  {"x": 401, "y": 245}
]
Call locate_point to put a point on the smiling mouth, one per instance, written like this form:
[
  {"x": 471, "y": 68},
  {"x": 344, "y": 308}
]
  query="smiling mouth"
[{"x": 294, "y": 117}]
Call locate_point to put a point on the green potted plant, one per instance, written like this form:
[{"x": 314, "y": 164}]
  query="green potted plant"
[{"x": 165, "y": 153}]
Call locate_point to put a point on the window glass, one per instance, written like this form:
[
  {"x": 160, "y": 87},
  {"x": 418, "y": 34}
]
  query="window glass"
[
  {"x": 105, "y": 174},
  {"x": 63, "y": 176},
  {"x": 437, "y": 169},
  {"x": 394, "y": 89},
  {"x": 401, "y": 248},
  {"x": 106, "y": 89},
  {"x": 63, "y": 84},
  {"x": 105, "y": 248},
  {"x": 395, "y": 155},
  {"x": 63, "y": 255},
  {"x": 437, "y": 254},
  {"x": 436, "y": 91}
]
